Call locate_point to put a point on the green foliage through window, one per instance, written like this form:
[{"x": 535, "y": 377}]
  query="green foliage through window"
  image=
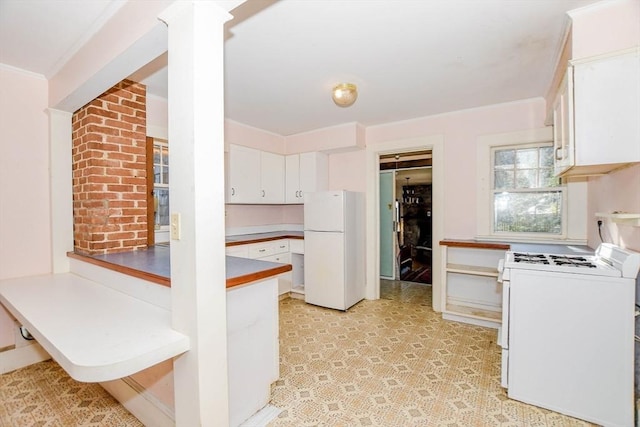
[{"x": 527, "y": 197}]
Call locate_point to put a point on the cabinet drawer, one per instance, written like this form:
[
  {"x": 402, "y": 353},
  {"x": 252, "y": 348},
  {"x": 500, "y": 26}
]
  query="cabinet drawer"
[
  {"x": 281, "y": 258},
  {"x": 259, "y": 250}
]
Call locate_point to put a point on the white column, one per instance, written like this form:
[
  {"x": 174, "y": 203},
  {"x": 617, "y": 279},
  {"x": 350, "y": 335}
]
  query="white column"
[
  {"x": 196, "y": 188},
  {"x": 61, "y": 191}
]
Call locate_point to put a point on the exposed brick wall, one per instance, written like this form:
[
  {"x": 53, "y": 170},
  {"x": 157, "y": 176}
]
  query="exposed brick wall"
[{"x": 109, "y": 174}]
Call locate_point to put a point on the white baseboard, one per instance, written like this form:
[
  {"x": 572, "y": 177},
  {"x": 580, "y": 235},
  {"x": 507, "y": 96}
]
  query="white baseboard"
[
  {"x": 19, "y": 357},
  {"x": 143, "y": 405}
]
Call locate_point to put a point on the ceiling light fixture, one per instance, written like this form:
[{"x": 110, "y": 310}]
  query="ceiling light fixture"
[{"x": 345, "y": 94}]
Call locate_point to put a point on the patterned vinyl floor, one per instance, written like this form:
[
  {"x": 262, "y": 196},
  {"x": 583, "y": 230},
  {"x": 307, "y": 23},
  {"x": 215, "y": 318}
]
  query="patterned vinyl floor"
[{"x": 391, "y": 362}]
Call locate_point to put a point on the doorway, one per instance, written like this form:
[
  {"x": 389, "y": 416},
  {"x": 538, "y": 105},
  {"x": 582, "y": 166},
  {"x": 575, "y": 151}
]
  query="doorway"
[
  {"x": 374, "y": 151},
  {"x": 405, "y": 238}
]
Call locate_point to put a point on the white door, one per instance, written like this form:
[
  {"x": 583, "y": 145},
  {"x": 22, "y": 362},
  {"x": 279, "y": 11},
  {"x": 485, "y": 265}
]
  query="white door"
[
  {"x": 387, "y": 219},
  {"x": 324, "y": 269}
]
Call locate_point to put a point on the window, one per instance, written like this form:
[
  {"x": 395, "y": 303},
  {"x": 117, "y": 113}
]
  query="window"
[
  {"x": 161, "y": 183},
  {"x": 527, "y": 197}
]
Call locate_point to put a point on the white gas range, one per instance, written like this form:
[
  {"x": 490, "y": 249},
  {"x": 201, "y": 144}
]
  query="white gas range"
[{"x": 567, "y": 333}]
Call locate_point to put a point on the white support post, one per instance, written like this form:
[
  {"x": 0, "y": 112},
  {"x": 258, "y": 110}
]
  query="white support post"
[
  {"x": 61, "y": 191},
  {"x": 196, "y": 143}
]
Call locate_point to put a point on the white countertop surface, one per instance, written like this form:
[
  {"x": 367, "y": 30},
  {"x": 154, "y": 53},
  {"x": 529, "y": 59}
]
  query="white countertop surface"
[{"x": 94, "y": 332}]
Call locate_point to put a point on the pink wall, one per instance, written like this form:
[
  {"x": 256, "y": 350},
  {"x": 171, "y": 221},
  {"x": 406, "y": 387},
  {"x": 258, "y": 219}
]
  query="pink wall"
[
  {"x": 239, "y": 134},
  {"x": 605, "y": 27},
  {"x": 25, "y": 229},
  {"x": 460, "y": 131},
  {"x": 601, "y": 28},
  {"x": 618, "y": 191},
  {"x": 347, "y": 171}
]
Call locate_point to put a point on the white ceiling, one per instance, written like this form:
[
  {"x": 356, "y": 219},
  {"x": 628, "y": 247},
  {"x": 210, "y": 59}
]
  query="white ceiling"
[{"x": 409, "y": 58}]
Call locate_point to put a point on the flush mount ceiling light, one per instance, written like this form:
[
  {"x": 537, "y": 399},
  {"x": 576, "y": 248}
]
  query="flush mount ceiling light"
[{"x": 345, "y": 94}]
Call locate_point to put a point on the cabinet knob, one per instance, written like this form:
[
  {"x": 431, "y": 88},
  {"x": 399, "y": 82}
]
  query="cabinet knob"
[
  {"x": 559, "y": 153},
  {"x": 262, "y": 193},
  {"x": 233, "y": 191}
]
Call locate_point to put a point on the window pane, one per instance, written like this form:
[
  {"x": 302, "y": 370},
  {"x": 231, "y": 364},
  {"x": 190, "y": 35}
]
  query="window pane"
[
  {"x": 526, "y": 178},
  {"x": 527, "y": 158},
  {"x": 156, "y": 154},
  {"x": 157, "y": 179},
  {"x": 162, "y": 206},
  {"x": 503, "y": 179},
  {"x": 534, "y": 212},
  {"x": 504, "y": 159},
  {"x": 165, "y": 173},
  {"x": 547, "y": 179},
  {"x": 165, "y": 156},
  {"x": 546, "y": 157}
]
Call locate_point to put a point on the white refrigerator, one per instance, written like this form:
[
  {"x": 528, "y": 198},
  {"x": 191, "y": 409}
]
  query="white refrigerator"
[{"x": 334, "y": 249}]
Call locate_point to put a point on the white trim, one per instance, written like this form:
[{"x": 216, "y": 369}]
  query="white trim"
[
  {"x": 575, "y": 194},
  {"x": 142, "y": 404},
  {"x": 20, "y": 357},
  {"x": 7, "y": 67},
  {"x": 373, "y": 152},
  {"x": 61, "y": 188}
]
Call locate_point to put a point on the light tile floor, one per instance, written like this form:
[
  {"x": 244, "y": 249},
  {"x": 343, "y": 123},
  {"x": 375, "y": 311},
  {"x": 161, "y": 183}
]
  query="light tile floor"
[{"x": 391, "y": 362}]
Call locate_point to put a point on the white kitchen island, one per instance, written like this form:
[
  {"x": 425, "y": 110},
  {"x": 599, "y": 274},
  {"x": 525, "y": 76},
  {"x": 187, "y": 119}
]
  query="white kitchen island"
[{"x": 104, "y": 321}]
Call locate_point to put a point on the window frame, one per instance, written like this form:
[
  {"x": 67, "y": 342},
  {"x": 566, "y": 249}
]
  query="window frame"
[
  {"x": 576, "y": 208},
  {"x": 162, "y": 143},
  {"x": 561, "y": 187}
]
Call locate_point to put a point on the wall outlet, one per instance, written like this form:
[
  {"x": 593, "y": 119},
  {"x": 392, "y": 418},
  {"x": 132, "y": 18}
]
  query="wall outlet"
[{"x": 175, "y": 226}]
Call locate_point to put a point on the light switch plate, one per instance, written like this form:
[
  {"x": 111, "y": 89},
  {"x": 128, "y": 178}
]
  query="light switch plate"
[{"x": 175, "y": 226}]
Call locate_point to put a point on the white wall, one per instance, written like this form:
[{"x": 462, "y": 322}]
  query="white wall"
[{"x": 25, "y": 227}]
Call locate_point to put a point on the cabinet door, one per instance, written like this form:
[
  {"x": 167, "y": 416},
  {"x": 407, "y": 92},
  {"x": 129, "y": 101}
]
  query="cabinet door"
[
  {"x": 314, "y": 173},
  {"x": 243, "y": 185},
  {"x": 292, "y": 179},
  {"x": 607, "y": 107},
  {"x": 272, "y": 178},
  {"x": 563, "y": 125}
]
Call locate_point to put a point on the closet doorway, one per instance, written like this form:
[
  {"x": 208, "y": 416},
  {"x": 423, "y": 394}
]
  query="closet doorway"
[{"x": 406, "y": 231}]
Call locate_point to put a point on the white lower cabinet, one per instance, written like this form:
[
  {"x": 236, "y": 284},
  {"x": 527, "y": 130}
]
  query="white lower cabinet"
[
  {"x": 253, "y": 347},
  {"x": 470, "y": 289},
  {"x": 285, "y": 251}
]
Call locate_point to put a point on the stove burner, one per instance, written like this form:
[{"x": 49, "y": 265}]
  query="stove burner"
[
  {"x": 530, "y": 258},
  {"x": 567, "y": 258}
]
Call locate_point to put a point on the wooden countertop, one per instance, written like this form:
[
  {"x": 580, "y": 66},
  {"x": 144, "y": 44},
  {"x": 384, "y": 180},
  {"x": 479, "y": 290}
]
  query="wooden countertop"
[
  {"x": 245, "y": 239},
  {"x": 153, "y": 265},
  {"x": 475, "y": 244},
  {"x": 549, "y": 248}
]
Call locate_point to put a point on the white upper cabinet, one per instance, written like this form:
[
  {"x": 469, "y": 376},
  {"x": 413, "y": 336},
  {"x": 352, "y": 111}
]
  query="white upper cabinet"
[
  {"x": 305, "y": 172},
  {"x": 254, "y": 176},
  {"x": 243, "y": 183},
  {"x": 271, "y": 178},
  {"x": 563, "y": 124},
  {"x": 605, "y": 115}
]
